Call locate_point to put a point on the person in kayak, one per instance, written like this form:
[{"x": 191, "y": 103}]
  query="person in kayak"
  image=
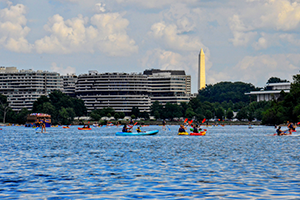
[
  {"x": 290, "y": 127},
  {"x": 195, "y": 129},
  {"x": 126, "y": 129},
  {"x": 280, "y": 132},
  {"x": 181, "y": 129},
  {"x": 138, "y": 129}
]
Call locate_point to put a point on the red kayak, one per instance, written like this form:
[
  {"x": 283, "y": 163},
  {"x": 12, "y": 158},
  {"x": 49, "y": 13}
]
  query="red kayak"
[
  {"x": 84, "y": 128},
  {"x": 202, "y": 133}
]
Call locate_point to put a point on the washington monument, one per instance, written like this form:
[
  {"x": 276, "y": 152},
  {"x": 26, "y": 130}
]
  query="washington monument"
[{"x": 201, "y": 70}]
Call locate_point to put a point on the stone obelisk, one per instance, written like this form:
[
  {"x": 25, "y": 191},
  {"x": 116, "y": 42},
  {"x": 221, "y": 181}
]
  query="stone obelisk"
[{"x": 201, "y": 71}]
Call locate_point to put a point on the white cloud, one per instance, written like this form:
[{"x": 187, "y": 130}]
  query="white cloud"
[
  {"x": 106, "y": 33},
  {"x": 170, "y": 37},
  {"x": 155, "y": 3},
  {"x": 62, "y": 70},
  {"x": 265, "y": 15},
  {"x": 255, "y": 69},
  {"x": 242, "y": 34},
  {"x": 13, "y": 29},
  {"x": 100, "y": 7}
]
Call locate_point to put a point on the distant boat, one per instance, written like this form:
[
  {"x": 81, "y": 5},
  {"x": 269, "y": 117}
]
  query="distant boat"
[{"x": 136, "y": 133}]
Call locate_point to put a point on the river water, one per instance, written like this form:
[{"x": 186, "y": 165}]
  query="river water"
[{"x": 229, "y": 162}]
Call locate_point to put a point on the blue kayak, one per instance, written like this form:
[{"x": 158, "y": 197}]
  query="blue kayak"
[{"x": 136, "y": 133}]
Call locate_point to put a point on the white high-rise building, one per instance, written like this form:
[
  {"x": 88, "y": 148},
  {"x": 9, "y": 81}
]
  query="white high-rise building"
[
  {"x": 168, "y": 86},
  {"x": 24, "y": 87},
  {"x": 120, "y": 91}
]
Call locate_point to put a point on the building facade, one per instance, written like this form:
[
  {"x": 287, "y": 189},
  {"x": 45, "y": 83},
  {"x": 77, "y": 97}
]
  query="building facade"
[
  {"x": 271, "y": 91},
  {"x": 24, "y": 87},
  {"x": 120, "y": 91},
  {"x": 69, "y": 82},
  {"x": 168, "y": 86}
]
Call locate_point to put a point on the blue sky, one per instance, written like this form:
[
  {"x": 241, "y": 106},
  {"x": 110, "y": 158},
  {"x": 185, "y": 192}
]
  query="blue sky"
[{"x": 249, "y": 41}]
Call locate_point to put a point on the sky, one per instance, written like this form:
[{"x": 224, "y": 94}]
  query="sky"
[{"x": 243, "y": 40}]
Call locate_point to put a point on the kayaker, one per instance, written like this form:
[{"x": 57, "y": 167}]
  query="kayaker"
[
  {"x": 138, "y": 129},
  {"x": 195, "y": 129},
  {"x": 290, "y": 127},
  {"x": 125, "y": 129},
  {"x": 280, "y": 132},
  {"x": 181, "y": 129}
]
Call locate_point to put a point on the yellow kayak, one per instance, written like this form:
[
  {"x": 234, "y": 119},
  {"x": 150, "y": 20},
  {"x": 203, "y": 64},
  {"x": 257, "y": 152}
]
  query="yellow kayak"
[{"x": 183, "y": 133}]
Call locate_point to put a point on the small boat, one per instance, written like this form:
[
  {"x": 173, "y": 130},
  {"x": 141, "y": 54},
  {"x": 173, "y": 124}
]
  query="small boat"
[
  {"x": 66, "y": 127},
  {"x": 202, "y": 133},
  {"x": 136, "y": 133},
  {"x": 183, "y": 133},
  {"x": 84, "y": 128}
]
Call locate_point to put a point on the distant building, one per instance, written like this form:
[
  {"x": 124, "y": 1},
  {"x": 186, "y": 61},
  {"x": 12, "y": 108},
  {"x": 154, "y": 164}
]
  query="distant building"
[
  {"x": 24, "y": 87},
  {"x": 168, "y": 86},
  {"x": 201, "y": 71},
  {"x": 120, "y": 91},
  {"x": 69, "y": 82},
  {"x": 272, "y": 91}
]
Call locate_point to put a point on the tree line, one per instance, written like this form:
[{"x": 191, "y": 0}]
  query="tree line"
[{"x": 219, "y": 101}]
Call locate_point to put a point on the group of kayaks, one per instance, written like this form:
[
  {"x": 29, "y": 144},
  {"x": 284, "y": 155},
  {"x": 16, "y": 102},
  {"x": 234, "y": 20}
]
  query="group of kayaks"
[{"x": 143, "y": 133}]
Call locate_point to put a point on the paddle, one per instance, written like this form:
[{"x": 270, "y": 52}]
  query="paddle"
[
  {"x": 203, "y": 121},
  {"x": 133, "y": 125},
  {"x": 185, "y": 120},
  {"x": 169, "y": 128}
]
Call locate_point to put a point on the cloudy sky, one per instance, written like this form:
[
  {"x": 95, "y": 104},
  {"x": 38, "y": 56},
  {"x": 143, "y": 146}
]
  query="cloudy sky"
[{"x": 244, "y": 40}]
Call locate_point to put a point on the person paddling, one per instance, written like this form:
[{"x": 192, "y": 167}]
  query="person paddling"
[
  {"x": 280, "y": 132},
  {"x": 43, "y": 125},
  {"x": 125, "y": 129},
  {"x": 181, "y": 129},
  {"x": 290, "y": 127},
  {"x": 195, "y": 129}
]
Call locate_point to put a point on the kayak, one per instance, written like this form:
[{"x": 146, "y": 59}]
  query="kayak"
[
  {"x": 136, "y": 133},
  {"x": 202, "y": 133},
  {"x": 84, "y": 128},
  {"x": 66, "y": 127},
  {"x": 183, "y": 133}
]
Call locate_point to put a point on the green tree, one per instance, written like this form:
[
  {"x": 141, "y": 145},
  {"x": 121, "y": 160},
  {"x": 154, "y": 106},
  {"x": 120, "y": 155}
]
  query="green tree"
[
  {"x": 220, "y": 113},
  {"x": 96, "y": 115},
  {"x": 133, "y": 117},
  {"x": 275, "y": 80},
  {"x": 63, "y": 116},
  {"x": 226, "y": 91},
  {"x": 116, "y": 116},
  {"x": 40, "y": 101},
  {"x": 135, "y": 111},
  {"x": 21, "y": 117},
  {"x": 242, "y": 114},
  {"x": 189, "y": 113},
  {"x": 156, "y": 114},
  {"x": 122, "y": 115},
  {"x": 4, "y": 106},
  {"x": 229, "y": 114},
  {"x": 208, "y": 114}
]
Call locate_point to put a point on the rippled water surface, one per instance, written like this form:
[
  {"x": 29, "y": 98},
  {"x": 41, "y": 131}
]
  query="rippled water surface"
[{"x": 229, "y": 162}]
